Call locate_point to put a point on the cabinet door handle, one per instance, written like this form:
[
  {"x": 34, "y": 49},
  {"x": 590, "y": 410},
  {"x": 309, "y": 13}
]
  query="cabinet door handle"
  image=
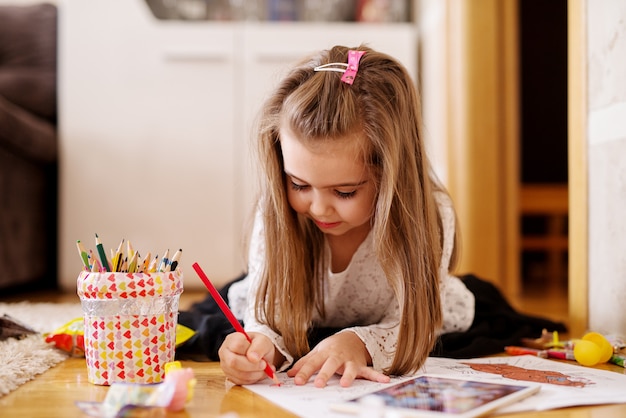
[{"x": 181, "y": 54}]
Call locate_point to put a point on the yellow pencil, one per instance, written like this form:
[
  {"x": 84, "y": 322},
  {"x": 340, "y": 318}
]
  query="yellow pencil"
[
  {"x": 153, "y": 264},
  {"x": 130, "y": 251},
  {"x": 132, "y": 264},
  {"x": 117, "y": 257}
]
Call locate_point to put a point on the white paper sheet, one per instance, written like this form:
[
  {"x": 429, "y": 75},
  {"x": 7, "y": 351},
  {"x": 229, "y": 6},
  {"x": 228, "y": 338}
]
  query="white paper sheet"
[{"x": 572, "y": 385}]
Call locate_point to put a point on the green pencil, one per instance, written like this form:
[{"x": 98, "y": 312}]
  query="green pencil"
[
  {"x": 102, "y": 254},
  {"x": 83, "y": 254}
]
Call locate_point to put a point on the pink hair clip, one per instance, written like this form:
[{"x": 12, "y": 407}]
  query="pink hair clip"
[{"x": 349, "y": 70}]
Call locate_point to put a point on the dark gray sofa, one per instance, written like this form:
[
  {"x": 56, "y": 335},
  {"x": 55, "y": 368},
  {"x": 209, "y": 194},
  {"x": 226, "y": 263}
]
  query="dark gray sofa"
[{"x": 28, "y": 146}]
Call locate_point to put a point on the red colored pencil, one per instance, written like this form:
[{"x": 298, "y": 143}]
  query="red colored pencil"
[{"x": 229, "y": 314}]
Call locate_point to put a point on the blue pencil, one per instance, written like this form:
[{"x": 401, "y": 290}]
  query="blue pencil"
[{"x": 164, "y": 261}]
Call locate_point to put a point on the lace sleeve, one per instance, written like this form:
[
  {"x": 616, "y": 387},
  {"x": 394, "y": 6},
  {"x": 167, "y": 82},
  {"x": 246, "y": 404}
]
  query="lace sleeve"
[{"x": 381, "y": 339}]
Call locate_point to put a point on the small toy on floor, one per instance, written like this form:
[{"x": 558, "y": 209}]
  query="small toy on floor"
[
  {"x": 70, "y": 337},
  {"x": 146, "y": 400}
]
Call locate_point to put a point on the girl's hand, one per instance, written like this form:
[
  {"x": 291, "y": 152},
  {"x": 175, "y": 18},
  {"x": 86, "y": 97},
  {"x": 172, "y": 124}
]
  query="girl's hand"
[
  {"x": 244, "y": 362},
  {"x": 342, "y": 353}
]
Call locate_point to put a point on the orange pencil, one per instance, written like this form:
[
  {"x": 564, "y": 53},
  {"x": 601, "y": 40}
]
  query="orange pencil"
[{"x": 146, "y": 263}]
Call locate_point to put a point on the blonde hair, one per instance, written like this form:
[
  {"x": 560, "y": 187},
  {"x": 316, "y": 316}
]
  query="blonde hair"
[{"x": 384, "y": 105}]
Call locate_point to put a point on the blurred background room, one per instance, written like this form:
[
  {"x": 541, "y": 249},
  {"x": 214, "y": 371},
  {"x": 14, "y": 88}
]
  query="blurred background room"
[{"x": 131, "y": 119}]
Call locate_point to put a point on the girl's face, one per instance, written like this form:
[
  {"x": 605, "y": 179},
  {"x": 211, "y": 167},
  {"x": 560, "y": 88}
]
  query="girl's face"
[{"x": 329, "y": 182}]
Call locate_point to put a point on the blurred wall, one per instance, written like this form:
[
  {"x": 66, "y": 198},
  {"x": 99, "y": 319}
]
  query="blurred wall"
[
  {"x": 606, "y": 140},
  {"x": 18, "y": 2},
  {"x": 431, "y": 18}
]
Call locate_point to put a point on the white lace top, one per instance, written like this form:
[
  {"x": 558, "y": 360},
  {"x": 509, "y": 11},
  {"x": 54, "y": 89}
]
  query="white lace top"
[{"x": 360, "y": 295}]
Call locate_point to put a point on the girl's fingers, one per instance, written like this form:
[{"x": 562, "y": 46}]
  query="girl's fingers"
[
  {"x": 306, "y": 367},
  {"x": 241, "y": 371},
  {"x": 236, "y": 342},
  {"x": 364, "y": 373},
  {"x": 238, "y": 367},
  {"x": 328, "y": 369},
  {"x": 349, "y": 374}
]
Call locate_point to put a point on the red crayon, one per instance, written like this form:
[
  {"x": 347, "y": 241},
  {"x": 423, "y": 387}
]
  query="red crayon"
[
  {"x": 520, "y": 351},
  {"x": 557, "y": 354}
]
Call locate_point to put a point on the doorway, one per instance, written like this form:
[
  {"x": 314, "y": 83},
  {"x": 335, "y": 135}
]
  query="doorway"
[
  {"x": 473, "y": 93},
  {"x": 543, "y": 99}
]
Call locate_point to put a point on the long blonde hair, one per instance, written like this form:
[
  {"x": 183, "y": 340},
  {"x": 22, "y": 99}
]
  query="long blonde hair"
[{"x": 383, "y": 104}]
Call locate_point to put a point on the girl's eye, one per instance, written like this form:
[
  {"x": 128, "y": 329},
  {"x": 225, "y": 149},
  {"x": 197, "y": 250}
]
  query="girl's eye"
[
  {"x": 345, "y": 195},
  {"x": 302, "y": 187},
  {"x": 298, "y": 187}
]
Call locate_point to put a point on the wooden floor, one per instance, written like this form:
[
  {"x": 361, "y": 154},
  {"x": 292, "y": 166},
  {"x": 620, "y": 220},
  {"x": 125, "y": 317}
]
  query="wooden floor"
[{"x": 54, "y": 393}]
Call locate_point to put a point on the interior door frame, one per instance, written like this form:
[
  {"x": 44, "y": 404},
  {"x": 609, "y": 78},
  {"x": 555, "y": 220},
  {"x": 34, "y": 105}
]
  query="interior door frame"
[
  {"x": 578, "y": 294},
  {"x": 483, "y": 141}
]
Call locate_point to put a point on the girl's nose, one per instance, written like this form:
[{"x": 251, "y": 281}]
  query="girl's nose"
[{"x": 319, "y": 207}]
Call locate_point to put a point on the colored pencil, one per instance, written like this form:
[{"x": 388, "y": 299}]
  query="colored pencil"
[
  {"x": 102, "y": 254},
  {"x": 92, "y": 260},
  {"x": 619, "y": 359},
  {"x": 146, "y": 263},
  {"x": 130, "y": 251},
  {"x": 117, "y": 258},
  {"x": 83, "y": 254},
  {"x": 153, "y": 264},
  {"x": 229, "y": 314},
  {"x": 176, "y": 259},
  {"x": 557, "y": 354},
  {"x": 132, "y": 263},
  {"x": 164, "y": 261}
]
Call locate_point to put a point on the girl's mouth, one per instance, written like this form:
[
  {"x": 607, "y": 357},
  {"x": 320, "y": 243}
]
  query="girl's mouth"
[{"x": 327, "y": 225}]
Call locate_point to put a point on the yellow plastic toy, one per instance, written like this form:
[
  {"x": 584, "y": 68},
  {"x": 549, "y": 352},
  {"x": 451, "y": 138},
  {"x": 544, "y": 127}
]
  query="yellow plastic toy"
[{"x": 592, "y": 349}]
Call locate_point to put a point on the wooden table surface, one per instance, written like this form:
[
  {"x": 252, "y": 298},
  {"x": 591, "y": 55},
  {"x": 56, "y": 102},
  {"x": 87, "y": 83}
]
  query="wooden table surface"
[{"x": 53, "y": 394}]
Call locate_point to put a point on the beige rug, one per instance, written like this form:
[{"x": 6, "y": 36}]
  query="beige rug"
[{"x": 22, "y": 360}]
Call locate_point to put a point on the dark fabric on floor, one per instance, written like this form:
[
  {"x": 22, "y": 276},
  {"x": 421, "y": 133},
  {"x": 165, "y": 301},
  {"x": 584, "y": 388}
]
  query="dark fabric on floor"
[
  {"x": 496, "y": 325},
  {"x": 210, "y": 324}
]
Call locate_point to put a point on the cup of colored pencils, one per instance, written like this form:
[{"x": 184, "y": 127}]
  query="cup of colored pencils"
[{"x": 130, "y": 307}]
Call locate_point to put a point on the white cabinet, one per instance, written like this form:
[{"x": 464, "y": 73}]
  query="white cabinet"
[{"x": 155, "y": 120}]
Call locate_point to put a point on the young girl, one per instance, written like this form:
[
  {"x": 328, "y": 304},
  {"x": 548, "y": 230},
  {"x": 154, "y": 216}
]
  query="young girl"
[{"x": 354, "y": 238}]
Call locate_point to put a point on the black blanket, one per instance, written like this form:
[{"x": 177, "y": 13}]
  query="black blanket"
[{"x": 496, "y": 325}]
